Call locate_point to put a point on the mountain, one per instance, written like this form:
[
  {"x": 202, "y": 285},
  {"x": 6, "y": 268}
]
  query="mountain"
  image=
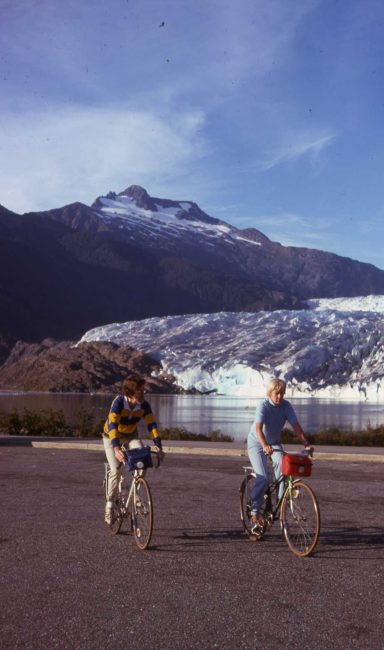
[
  {"x": 59, "y": 366},
  {"x": 334, "y": 349},
  {"x": 131, "y": 256}
]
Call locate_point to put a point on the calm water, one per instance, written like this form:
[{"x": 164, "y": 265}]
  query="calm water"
[{"x": 204, "y": 413}]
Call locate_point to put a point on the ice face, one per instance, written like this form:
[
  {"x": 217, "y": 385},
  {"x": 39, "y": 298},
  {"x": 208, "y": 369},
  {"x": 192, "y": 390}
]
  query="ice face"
[{"x": 335, "y": 349}]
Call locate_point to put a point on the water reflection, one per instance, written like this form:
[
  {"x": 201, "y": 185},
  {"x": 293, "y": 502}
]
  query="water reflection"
[{"x": 204, "y": 413}]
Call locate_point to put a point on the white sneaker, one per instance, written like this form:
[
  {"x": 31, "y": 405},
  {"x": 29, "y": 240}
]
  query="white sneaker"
[{"x": 109, "y": 515}]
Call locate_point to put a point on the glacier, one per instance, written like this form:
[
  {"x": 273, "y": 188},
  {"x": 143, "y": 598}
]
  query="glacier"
[{"x": 333, "y": 349}]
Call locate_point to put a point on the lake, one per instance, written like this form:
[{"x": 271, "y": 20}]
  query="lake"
[{"x": 204, "y": 413}]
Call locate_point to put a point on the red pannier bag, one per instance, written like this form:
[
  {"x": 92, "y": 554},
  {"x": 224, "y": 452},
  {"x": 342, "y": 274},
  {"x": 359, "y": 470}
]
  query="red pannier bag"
[{"x": 296, "y": 465}]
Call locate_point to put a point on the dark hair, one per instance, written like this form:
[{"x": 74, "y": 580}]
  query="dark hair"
[{"x": 131, "y": 384}]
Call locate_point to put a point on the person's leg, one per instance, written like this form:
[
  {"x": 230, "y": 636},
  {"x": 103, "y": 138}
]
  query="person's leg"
[
  {"x": 116, "y": 469},
  {"x": 259, "y": 463},
  {"x": 277, "y": 459}
]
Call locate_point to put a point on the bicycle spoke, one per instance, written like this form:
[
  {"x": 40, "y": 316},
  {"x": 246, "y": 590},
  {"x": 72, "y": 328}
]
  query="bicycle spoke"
[
  {"x": 142, "y": 514},
  {"x": 300, "y": 518},
  {"x": 265, "y": 510}
]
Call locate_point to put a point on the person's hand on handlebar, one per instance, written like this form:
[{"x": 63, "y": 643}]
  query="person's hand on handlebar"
[
  {"x": 119, "y": 454},
  {"x": 268, "y": 450},
  {"x": 307, "y": 445},
  {"x": 158, "y": 448}
]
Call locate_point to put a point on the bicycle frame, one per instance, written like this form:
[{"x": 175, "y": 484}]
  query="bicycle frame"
[
  {"x": 272, "y": 489},
  {"x": 132, "y": 489}
]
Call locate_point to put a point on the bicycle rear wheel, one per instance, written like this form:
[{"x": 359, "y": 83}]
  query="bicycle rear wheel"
[
  {"x": 246, "y": 502},
  {"x": 300, "y": 518},
  {"x": 142, "y": 513}
]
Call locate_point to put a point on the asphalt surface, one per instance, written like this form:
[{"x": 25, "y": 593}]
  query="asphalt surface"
[{"x": 67, "y": 583}]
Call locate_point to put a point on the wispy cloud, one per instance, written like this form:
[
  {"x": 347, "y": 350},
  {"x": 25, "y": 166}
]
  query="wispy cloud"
[
  {"x": 299, "y": 146},
  {"x": 49, "y": 159},
  {"x": 292, "y": 229}
]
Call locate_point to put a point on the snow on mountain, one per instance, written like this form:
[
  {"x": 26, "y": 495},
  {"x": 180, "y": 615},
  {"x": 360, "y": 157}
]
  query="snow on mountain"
[
  {"x": 334, "y": 349},
  {"x": 164, "y": 218}
]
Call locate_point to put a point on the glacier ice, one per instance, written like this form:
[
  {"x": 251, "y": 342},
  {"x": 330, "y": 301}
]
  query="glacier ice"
[{"x": 334, "y": 349}]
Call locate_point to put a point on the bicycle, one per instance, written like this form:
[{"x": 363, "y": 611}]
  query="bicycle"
[
  {"x": 297, "y": 508},
  {"x": 134, "y": 506}
]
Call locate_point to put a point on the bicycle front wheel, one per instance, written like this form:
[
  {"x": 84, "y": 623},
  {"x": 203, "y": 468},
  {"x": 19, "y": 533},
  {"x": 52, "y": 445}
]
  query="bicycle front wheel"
[
  {"x": 142, "y": 513},
  {"x": 300, "y": 518}
]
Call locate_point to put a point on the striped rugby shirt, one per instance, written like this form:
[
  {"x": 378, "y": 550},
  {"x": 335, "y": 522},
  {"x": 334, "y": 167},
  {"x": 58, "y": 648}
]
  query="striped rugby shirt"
[{"x": 122, "y": 421}]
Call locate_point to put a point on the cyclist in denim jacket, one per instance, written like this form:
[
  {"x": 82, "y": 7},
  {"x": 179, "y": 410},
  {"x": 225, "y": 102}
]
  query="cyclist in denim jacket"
[{"x": 265, "y": 437}]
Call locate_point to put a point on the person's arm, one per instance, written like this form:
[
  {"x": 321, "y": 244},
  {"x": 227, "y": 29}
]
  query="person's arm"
[
  {"x": 295, "y": 424},
  {"x": 300, "y": 434},
  {"x": 113, "y": 430},
  {"x": 152, "y": 428},
  {"x": 267, "y": 449}
]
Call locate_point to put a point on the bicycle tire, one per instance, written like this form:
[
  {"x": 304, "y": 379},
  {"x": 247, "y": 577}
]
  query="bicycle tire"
[
  {"x": 142, "y": 514},
  {"x": 246, "y": 503},
  {"x": 300, "y": 518}
]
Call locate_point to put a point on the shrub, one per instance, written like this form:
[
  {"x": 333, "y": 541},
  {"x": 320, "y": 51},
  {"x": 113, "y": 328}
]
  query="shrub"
[
  {"x": 333, "y": 436},
  {"x": 370, "y": 437},
  {"x": 180, "y": 433},
  {"x": 53, "y": 423},
  {"x": 13, "y": 423},
  {"x": 85, "y": 426},
  {"x": 35, "y": 423}
]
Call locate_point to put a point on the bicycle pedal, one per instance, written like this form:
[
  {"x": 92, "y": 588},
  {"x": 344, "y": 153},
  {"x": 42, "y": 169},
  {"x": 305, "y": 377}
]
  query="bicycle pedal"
[
  {"x": 255, "y": 537},
  {"x": 257, "y": 531}
]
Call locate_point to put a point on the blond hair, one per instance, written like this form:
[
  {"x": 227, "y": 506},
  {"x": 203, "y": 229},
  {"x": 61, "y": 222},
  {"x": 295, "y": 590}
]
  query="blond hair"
[{"x": 277, "y": 385}]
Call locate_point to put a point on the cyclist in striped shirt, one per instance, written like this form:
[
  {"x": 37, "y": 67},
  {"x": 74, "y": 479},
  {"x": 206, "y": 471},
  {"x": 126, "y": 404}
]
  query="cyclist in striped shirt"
[{"x": 127, "y": 409}]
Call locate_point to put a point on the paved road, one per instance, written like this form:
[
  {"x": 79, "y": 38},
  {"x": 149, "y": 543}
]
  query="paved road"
[{"x": 66, "y": 583}]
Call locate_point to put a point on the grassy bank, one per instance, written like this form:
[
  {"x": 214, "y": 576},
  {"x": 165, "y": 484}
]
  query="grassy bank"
[
  {"x": 51, "y": 423},
  {"x": 370, "y": 437}
]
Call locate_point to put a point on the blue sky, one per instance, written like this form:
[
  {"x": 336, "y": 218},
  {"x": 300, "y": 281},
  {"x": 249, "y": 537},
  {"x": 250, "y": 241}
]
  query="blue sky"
[{"x": 267, "y": 113}]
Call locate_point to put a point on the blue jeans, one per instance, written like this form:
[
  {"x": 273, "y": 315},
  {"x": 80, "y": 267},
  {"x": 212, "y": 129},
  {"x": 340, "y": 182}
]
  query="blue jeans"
[{"x": 260, "y": 464}]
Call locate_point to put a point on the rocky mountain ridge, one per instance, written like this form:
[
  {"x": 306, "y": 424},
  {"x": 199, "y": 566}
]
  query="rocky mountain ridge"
[{"x": 60, "y": 366}]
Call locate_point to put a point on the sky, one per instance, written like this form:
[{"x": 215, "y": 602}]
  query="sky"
[{"x": 267, "y": 113}]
